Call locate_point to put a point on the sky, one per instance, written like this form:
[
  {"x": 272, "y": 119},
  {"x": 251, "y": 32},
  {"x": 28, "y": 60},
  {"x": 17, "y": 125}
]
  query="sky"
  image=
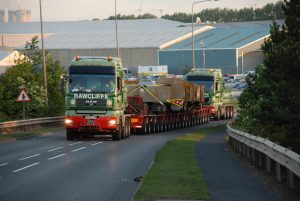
[{"x": 70, "y": 10}]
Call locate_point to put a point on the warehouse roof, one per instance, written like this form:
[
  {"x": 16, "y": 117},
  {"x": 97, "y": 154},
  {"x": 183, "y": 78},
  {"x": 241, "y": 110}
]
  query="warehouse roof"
[
  {"x": 101, "y": 34},
  {"x": 4, "y": 54},
  {"x": 140, "y": 33},
  {"x": 228, "y": 35}
]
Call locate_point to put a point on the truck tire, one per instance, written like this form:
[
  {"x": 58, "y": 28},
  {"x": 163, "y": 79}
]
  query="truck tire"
[
  {"x": 143, "y": 130},
  {"x": 118, "y": 134},
  {"x": 218, "y": 115},
  {"x": 231, "y": 112},
  {"x": 69, "y": 134},
  {"x": 128, "y": 128}
]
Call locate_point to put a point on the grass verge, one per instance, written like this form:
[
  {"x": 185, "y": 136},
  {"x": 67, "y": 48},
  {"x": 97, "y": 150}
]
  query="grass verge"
[
  {"x": 32, "y": 132},
  {"x": 176, "y": 173}
]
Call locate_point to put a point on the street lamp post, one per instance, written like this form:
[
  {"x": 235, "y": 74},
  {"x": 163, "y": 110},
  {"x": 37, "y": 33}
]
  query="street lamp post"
[
  {"x": 193, "y": 41},
  {"x": 203, "y": 53},
  {"x": 116, "y": 26},
  {"x": 43, "y": 54}
]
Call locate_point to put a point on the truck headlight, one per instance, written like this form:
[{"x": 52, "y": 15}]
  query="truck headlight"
[
  {"x": 112, "y": 122},
  {"x": 72, "y": 101},
  {"x": 68, "y": 121},
  {"x": 109, "y": 103}
]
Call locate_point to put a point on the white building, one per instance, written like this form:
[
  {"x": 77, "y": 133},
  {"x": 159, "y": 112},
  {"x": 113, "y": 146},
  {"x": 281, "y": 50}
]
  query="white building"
[{"x": 8, "y": 59}]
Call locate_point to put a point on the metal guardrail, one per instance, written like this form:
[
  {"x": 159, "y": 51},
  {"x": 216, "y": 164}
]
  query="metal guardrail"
[
  {"x": 279, "y": 154},
  {"x": 10, "y": 126}
]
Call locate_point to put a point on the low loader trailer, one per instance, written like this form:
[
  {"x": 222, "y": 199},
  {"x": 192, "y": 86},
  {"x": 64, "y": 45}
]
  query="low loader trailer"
[{"x": 171, "y": 103}]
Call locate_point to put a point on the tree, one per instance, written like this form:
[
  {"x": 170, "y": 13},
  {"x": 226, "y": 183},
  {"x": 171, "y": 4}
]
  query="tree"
[
  {"x": 27, "y": 72},
  {"x": 270, "y": 107}
]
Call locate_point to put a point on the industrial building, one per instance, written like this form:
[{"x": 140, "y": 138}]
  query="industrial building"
[
  {"x": 8, "y": 59},
  {"x": 15, "y": 16},
  {"x": 234, "y": 47}
]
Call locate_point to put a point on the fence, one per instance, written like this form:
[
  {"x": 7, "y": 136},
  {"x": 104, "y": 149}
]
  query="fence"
[{"x": 278, "y": 160}]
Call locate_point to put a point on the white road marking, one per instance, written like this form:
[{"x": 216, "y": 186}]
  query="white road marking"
[
  {"x": 23, "y": 168},
  {"x": 75, "y": 143},
  {"x": 96, "y": 143},
  {"x": 56, "y": 156},
  {"x": 78, "y": 149},
  {"x": 3, "y": 164},
  {"x": 29, "y": 157},
  {"x": 55, "y": 149}
]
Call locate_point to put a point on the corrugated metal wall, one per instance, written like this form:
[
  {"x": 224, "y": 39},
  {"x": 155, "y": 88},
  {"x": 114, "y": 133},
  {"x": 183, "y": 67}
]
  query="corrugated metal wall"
[
  {"x": 177, "y": 60},
  {"x": 131, "y": 57}
]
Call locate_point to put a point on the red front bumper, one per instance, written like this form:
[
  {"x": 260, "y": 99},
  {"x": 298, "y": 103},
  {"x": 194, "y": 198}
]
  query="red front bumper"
[{"x": 87, "y": 124}]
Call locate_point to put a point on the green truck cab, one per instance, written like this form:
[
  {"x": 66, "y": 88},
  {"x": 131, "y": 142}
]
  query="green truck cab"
[
  {"x": 96, "y": 98},
  {"x": 215, "y": 98}
]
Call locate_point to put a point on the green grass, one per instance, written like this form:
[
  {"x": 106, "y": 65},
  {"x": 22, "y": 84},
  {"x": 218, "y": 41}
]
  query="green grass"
[
  {"x": 32, "y": 132},
  {"x": 176, "y": 173}
]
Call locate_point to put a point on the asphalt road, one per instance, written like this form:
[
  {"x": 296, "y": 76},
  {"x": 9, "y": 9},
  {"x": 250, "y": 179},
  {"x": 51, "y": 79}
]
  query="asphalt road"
[
  {"x": 49, "y": 168},
  {"x": 227, "y": 178}
]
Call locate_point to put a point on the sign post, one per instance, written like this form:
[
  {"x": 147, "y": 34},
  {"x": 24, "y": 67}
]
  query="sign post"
[{"x": 23, "y": 97}]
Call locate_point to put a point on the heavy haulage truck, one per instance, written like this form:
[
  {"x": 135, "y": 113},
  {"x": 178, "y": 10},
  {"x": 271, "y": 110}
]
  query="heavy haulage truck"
[
  {"x": 96, "y": 98},
  {"x": 217, "y": 99},
  {"x": 99, "y": 101}
]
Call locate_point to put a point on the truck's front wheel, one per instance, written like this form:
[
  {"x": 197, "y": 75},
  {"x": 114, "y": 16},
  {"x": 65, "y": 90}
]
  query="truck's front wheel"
[
  {"x": 118, "y": 134},
  {"x": 69, "y": 134}
]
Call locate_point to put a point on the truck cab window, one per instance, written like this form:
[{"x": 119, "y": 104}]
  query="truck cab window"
[{"x": 119, "y": 83}]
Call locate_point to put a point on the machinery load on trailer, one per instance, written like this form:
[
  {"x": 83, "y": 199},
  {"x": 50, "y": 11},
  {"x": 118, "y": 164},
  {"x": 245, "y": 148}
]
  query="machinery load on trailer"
[
  {"x": 216, "y": 99},
  {"x": 168, "y": 104}
]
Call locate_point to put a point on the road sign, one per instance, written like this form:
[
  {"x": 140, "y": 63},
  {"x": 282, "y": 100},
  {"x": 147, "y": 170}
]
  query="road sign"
[{"x": 23, "y": 97}]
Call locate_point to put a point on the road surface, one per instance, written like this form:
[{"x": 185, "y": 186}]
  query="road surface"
[{"x": 49, "y": 168}]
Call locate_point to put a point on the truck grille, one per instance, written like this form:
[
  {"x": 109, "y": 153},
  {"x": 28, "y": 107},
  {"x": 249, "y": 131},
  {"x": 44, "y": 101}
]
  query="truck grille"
[{"x": 91, "y": 102}]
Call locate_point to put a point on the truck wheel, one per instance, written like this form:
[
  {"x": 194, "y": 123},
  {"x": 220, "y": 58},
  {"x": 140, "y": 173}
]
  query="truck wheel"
[
  {"x": 123, "y": 129},
  {"x": 218, "y": 115},
  {"x": 69, "y": 134},
  {"x": 118, "y": 134},
  {"x": 128, "y": 128},
  {"x": 231, "y": 112}
]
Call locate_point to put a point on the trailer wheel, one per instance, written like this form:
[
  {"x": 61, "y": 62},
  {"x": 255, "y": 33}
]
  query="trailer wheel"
[
  {"x": 154, "y": 128},
  {"x": 163, "y": 125},
  {"x": 158, "y": 126},
  {"x": 143, "y": 130},
  {"x": 171, "y": 123}
]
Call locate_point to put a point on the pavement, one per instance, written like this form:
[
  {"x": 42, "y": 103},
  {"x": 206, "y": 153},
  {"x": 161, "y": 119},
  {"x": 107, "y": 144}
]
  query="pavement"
[{"x": 227, "y": 178}]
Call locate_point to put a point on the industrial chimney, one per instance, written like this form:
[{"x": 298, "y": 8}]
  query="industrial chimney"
[
  {"x": 21, "y": 15},
  {"x": 12, "y": 17},
  {"x": 28, "y": 15},
  {"x": 2, "y": 16}
]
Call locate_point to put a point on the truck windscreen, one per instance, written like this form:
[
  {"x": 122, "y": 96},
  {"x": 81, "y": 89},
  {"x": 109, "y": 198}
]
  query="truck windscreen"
[
  {"x": 207, "y": 81},
  {"x": 98, "y": 83}
]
